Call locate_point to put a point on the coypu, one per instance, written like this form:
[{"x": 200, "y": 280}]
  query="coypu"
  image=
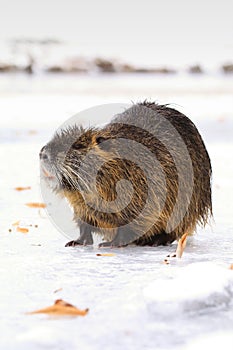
[{"x": 144, "y": 178}]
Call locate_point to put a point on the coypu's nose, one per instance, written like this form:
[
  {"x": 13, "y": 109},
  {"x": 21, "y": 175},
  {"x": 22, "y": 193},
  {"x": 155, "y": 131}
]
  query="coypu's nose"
[{"x": 43, "y": 154}]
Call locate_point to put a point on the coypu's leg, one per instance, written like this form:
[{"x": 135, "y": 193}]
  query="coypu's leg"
[
  {"x": 123, "y": 237},
  {"x": 85, "y": 237}
]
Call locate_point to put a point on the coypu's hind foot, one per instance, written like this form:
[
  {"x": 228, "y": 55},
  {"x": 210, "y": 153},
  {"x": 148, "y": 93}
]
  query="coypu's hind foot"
[
  {"x": 159, "y": 239},
  {"x": 123, "y": 237},
  {"x": 84, "y": 239}
]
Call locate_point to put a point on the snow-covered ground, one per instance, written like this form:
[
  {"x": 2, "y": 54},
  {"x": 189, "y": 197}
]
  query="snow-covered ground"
[{"x": 135, "y": 301}]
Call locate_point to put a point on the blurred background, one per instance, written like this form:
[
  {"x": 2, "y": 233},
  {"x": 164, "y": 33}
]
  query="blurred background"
[
  {"x": 76, "y": 36},
  {"x": 58, "y": 57}
]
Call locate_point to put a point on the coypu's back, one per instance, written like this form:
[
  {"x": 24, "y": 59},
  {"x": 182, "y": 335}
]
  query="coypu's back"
[
  {"x": 160, "y": 152},
  {"x": 162, "y": 130}
]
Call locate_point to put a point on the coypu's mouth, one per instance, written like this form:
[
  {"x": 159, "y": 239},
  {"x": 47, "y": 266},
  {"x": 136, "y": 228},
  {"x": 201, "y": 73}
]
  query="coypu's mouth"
[{"x": 47, "y": 174}]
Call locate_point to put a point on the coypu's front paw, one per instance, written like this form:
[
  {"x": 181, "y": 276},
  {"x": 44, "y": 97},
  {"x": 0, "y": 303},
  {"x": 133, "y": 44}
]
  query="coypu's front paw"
[{"x": 85, "y": 237}]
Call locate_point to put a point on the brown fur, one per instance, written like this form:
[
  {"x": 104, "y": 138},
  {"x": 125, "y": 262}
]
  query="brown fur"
[{"x": 123, "y": 225}]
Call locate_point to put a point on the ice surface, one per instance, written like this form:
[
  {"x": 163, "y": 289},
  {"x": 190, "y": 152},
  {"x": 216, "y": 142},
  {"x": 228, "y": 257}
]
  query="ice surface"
[{"x": 135, "y": 301}]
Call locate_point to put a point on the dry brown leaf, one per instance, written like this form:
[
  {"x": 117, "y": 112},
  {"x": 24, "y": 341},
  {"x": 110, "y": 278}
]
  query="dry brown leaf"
[
  {"x": 105, "y": 254},
  {"x": 32, "y": 132},
  {"x": 36, "y": 205},
  {"x": 181, "y": 245},
  {"x": 16, "y": 223},
  {"x": 61, "y": 308},
  {"x": 22, "y": 188},
  {"x": 22, "y": 229}
]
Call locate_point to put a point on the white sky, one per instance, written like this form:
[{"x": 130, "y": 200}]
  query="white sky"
[
  {"x": 119, "y": 21},
  {"x": 119, "y": 25}
]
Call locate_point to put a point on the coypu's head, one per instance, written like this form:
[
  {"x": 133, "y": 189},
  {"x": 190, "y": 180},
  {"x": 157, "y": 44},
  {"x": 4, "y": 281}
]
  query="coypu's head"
[{"x": 67, "y": 160}]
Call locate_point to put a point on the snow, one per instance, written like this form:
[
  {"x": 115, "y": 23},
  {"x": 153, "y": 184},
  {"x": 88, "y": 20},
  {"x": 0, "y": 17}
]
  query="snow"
[
  {"x": 135, "y": 301},
  {"x": 213, "y": 341},
  {"x": 195, "y": 287}
]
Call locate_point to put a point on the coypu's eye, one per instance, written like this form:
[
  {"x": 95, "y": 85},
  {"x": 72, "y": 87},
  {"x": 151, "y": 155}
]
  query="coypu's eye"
[
  {"x": 100, "y": 139},
  {"x": 100, "y": 142},
  {"x": 78, "y": 146}
]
